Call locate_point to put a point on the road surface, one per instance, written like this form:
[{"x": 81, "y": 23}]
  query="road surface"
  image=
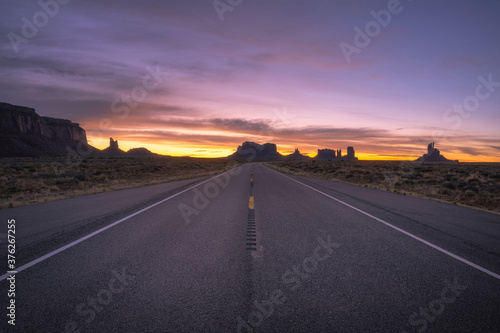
[{"x": 252, "y": 250}]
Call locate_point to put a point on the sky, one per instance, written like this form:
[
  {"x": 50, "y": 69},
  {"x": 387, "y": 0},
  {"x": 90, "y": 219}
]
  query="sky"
[{"x": 199, "y": 77}]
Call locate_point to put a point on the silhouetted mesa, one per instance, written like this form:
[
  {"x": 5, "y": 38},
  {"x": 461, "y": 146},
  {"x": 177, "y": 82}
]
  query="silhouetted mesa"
[
  {"x": 433, "y": 155},
  {"x": 326, "y": 154},
  {"x": 251, "y": 151},
  {"x": 23, "y": 133}
]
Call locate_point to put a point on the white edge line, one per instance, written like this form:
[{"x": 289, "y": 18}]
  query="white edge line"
[
  {"x": 67, "y": 246},
  {"x": 465, "y": 261}
]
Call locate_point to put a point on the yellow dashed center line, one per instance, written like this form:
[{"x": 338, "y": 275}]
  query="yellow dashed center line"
[{"x": 251, "y": 203}]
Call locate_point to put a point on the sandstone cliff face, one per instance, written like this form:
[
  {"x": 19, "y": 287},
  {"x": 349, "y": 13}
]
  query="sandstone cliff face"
[
  {"x": 62, "y": 130},
  {"x": 24, "y": 133},
  {"x": 18, "y": 120}
]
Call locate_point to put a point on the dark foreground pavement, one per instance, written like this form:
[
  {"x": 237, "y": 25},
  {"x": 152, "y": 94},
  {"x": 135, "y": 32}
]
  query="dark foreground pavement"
[{"x": 300, "y": 261}]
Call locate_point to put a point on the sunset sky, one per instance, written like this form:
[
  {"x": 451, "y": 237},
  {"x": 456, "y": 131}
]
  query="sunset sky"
[{"x": 264, "y": 71}]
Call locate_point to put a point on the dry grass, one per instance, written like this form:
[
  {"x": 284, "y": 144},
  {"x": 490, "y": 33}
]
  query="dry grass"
[
  {"x": 31, "y": 180},
  {"x": 469, "y": 184}
]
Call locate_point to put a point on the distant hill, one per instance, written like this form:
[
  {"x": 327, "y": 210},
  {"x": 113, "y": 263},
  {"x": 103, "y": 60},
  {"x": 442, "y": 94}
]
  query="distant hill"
[{"x": 141, "y": 152}]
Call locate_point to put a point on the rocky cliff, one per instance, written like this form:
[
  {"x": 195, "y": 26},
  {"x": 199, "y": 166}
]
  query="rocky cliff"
[
  {"x": 18, "y": 120},
  {"x": 62, "y": 130},
  {"x": 24, "y": 133}
]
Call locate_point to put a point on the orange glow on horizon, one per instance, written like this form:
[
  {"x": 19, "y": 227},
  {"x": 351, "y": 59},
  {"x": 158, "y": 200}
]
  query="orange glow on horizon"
[
  {"x": 205, "y": 151},
  {"x": 172, "y": 149}
]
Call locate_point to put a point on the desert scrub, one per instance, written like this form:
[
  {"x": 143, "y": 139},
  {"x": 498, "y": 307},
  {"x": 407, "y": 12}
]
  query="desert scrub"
[
  {"x": 470, "y": 184},
  {"x": 32, "y": 180}
]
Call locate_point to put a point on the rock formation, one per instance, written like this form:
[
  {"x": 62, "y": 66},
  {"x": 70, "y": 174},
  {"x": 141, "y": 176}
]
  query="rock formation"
[
  {"x": 113, "y": 144},
  {"x": 251, "y": 152},
  {"x": 18, "y": 120},
  {"x": 23, "y": 133},
  {"x": 433, "y": 155},
  {"x": 62, "y": 130},
  {"x": 329, "y": 154},
  {"x": 350, "y": 155},
  {"x": 112, "y": 151},
  {"x": 325, "y": 154},
  {"x": 297, "y": 156}
]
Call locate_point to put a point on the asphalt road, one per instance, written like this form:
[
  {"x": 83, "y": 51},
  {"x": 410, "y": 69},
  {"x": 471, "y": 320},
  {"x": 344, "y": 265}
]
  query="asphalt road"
[{"x": 311, "y": 256}]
